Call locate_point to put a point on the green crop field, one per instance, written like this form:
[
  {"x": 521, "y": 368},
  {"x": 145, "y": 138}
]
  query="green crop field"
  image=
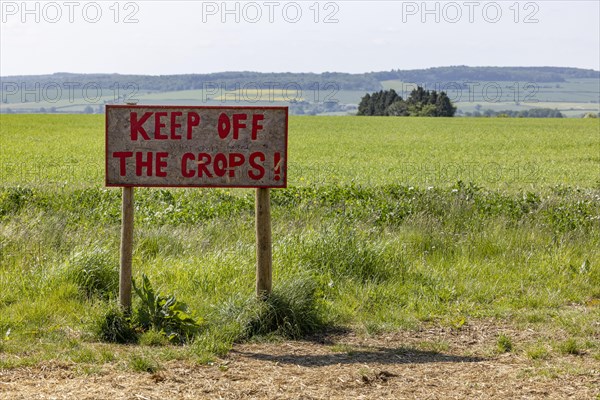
[
  {"x": 387, "y": 224},
  {"x": 507, "y": 154}
]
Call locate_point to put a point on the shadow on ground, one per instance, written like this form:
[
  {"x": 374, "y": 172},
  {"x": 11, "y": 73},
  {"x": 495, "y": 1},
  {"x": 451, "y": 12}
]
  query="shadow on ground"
[{"x": 381, "y": 355}]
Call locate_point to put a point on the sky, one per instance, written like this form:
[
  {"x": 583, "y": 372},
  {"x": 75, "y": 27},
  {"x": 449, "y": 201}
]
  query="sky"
[{"x": 178, "y": 37}]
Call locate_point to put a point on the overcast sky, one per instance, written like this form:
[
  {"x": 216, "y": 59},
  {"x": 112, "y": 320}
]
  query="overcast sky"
[{"x": 175, "y": 37}]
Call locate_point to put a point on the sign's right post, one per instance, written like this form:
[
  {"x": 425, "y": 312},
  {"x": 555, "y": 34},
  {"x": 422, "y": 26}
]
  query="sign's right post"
[{"x": 264, "y": 259}]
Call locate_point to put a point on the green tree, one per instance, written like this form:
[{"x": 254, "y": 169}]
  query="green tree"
[
  {"x": 365, "y": 105},
  {"x": 378, "y": 102},
  {"x": 420, "y": 102},
  {"x": 444, "y": 106},
  {"x": 418, "y": 95},
  {"x": 428, "y": 110},
  {"x": 398, "y": 109}
]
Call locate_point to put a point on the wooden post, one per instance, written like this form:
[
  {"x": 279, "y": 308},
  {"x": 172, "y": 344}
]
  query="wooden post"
[
  {"x": 126, "y": 249},
  {"x": 264, "y": 260}
]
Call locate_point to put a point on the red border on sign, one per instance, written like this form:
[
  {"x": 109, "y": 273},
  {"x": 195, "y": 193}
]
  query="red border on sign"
[{"x": 106, "y": 184}]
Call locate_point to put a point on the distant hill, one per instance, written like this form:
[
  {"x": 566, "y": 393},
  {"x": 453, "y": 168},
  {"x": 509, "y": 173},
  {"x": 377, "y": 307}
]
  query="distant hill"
[
  {"x": 308, "y": 81},
  {"x": 168, "y": 83},
  {"x": 573, "y": 91},
  {"x": 499, "y": 74}
]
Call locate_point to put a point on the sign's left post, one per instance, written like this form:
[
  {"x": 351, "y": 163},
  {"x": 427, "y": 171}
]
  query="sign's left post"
[{"x": 126, "y": 249}]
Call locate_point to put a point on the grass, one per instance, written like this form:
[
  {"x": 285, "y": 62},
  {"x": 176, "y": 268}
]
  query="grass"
[
  {"x": 538, "y": 352},
  {"x": 570, "y": 346},
  {"x": 359, "y": 238},
  {"x": 143, "y": 363},
  {"x": 504, "y": 344}
]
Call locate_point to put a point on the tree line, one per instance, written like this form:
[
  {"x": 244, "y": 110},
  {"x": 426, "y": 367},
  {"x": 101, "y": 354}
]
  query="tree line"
[
  {"x": 462, "y": 73},
  {"x": 307, "y": 81},
  {"x": 532, "y": 113},
  {"x": 420, "y": 103}
]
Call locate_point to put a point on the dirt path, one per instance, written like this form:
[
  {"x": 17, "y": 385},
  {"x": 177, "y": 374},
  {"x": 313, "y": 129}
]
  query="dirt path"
[{"x": 392, "y": 366}]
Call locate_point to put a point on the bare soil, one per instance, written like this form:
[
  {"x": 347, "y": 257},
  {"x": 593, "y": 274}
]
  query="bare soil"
[{"x": 429, "y": 364}]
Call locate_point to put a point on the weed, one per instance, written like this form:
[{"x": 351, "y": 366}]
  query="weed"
[
  {"x": 106, "y": 356},
  {"x": 504, "y": 344},
  {"x": 87, "y": 369},
  {"x": 84, "y": 355},
  {"x": 570, "y": 346},
  {"x": 140, "y": 363},
  {"x": 373, "y": 328},
  {"x": 166, "y": 315},
  {"x": 13, "y": 199},
  {"x": 437, "y": 347},
  {"x": 153, "y": 338},
  {"x": 217, "y": 340},
  {"x": 538, "y": 352},
  {"x": 342, "y": 348}
]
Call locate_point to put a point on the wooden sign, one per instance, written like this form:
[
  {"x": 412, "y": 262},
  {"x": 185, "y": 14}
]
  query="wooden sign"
[
  {"x": 197, "y": 147},
  {"x": 171, "y": 146}
]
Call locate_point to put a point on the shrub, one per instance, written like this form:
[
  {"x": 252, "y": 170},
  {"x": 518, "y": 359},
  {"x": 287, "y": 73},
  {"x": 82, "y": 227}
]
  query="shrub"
[
  {"x": 95, "y": 273},
  {"x": 346, "y": 254},
  {"x": 291, "y": 311},
  {"x": 13, "y": 199},
  {"x": 115, "y": 327}
]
